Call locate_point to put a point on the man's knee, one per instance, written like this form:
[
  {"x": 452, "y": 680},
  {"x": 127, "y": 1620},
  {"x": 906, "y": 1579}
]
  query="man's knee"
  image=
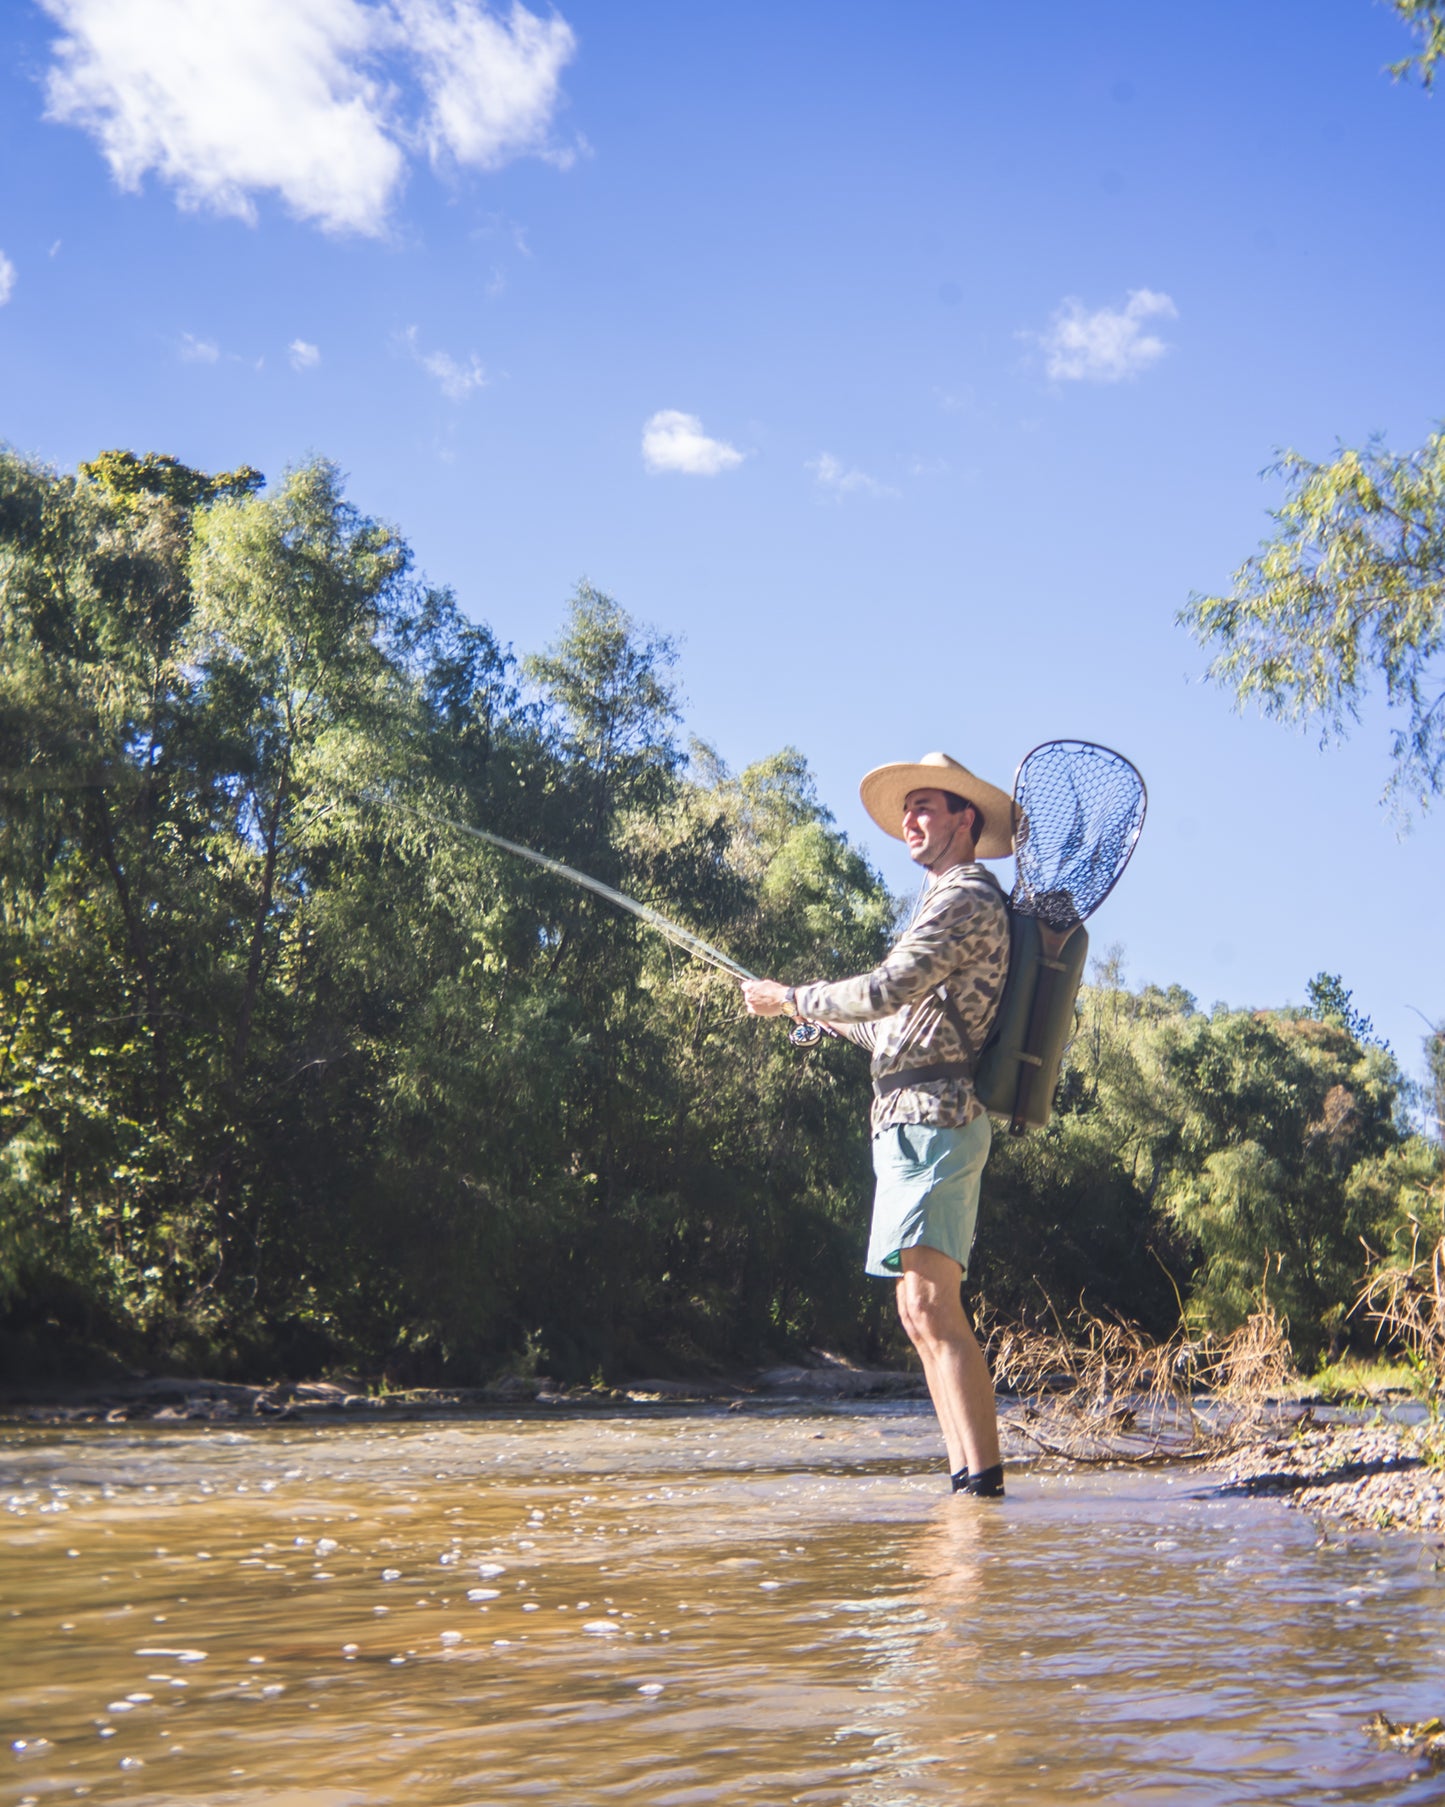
[{"x": 929, "y": 1314}]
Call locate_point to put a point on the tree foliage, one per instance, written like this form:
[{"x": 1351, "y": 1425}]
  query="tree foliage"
[
  {"x": 1332, "y": 1001},
  {"x": 1214, "y": 1159},
  {"x": 1350, "y": 589},
  {"x": 1426, "y": 18},
  {"x": 1352, "y": 586},
  {"x": 1434, "y": 1101},
  {"x": 128, "y": 479},
  {"x": 293, "y": 1073}
]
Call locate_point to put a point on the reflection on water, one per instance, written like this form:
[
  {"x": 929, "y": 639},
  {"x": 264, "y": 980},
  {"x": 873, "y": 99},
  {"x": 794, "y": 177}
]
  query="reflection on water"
[{"x": 683, "y": 1609}]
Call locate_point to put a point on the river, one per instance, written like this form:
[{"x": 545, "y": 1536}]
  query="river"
[{"x": 681, "y": 1609}]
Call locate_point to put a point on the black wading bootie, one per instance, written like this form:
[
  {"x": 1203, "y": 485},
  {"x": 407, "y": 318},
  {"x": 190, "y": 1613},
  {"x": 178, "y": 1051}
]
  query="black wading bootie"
[
  {"x": 959, "y": 1480},
  {"x": 987, "y": 1484}
]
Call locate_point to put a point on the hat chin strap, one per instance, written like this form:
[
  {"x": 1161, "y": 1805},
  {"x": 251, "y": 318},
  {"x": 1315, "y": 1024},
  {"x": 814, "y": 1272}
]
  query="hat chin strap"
[{"x": 928, "y": 865}]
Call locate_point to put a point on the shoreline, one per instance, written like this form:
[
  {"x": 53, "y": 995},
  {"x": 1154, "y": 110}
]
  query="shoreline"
[
  {"x": 195, "y": 1399},
  {"x": 1374, "y": 1477},
  {"x": 1382, "y": 1475}
]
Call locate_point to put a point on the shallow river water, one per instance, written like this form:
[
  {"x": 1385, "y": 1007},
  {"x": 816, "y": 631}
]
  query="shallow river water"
[{"x": 670, "y": 1609}]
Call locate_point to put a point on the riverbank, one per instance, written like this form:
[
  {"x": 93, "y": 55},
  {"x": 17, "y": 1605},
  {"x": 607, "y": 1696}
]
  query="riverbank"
[
  {"x": 180, "y": 1398},
  {"x": 1379, "y": 1476},
  {"x": 1375, "y": 1476}
]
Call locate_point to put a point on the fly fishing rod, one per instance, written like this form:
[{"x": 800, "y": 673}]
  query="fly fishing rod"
[{"x": 802, "y": 1035}]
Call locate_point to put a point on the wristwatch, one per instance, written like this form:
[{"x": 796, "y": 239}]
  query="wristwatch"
[{"x": 790, "y": 1002}]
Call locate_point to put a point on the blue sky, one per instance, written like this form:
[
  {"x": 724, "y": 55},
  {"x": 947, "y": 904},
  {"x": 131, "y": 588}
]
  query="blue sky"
[{"x": 911, "y": 368}]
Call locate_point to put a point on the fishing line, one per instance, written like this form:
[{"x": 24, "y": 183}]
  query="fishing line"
[
  {"x": 679, "y": 936},
  {"x": 801, "y": 1034}
]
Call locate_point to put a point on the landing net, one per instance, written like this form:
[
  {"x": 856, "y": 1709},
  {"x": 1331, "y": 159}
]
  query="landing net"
[{"x": 1080, "y": 808}]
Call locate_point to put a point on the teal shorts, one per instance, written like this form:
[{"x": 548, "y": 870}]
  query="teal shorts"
[{"x": 927, "y": 1194}]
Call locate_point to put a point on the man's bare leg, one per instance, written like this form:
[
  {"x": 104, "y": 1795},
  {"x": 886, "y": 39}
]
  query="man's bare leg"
[{"x": 959, "y": 1382}]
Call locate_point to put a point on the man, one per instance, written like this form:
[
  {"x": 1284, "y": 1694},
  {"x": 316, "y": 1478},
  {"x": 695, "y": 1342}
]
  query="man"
[{"x": 925, "y": 1014}]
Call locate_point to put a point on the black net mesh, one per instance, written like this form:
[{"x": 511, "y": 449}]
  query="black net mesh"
[{"x": 1080, "y": 809}]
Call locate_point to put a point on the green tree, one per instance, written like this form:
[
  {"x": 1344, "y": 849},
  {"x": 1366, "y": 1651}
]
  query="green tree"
[
  {"x": 1352, "y": 586},
  {"x": 290, "y": 1070},
  {"x": 1426, "y": 18},
  {"x": 1230, "y": 1156},
  {"x": 1281, "y": 1125},
  {"x": 1434, "y": 1046},
  {"x": 293, "y": 1072},
  {"x": 1350, "y": 589},
  {"x": 128, "y": 479},
  {"x": 1332, "y": 1001},
  {"x": 180, "y": 671},
  {"x": 94, "y": 602}
]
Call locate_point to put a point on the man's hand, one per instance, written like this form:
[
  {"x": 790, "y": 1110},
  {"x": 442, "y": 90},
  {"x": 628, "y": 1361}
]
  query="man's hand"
[{"x": 765, "y": 997}]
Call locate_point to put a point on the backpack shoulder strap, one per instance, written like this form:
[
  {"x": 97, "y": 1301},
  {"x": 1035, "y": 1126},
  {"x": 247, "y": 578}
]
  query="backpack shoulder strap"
[{"x": 944, "y": 995}]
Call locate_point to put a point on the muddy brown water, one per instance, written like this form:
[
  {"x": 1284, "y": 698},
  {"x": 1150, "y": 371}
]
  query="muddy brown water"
[{"x": 677, "y": 1610}]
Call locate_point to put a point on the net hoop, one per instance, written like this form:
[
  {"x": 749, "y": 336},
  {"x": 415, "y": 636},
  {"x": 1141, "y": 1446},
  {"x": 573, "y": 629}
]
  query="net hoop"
[{"x": 1079, "y": 810}]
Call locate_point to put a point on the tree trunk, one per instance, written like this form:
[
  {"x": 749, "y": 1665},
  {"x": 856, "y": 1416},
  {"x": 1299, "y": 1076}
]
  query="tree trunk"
[
  {"x": 256, "y": 958},
  {"x": 136, "y": 942}
]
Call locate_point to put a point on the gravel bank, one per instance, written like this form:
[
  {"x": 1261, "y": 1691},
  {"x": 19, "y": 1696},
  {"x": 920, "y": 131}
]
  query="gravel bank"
[{"x": 1377, "y": 1476}]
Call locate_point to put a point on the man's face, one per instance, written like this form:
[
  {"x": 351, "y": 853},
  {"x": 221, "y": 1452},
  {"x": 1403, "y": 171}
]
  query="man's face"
[{"x": 928, "y": 827}]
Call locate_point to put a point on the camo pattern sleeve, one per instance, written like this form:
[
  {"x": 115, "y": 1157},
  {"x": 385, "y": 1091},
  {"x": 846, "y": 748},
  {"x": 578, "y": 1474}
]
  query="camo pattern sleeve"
[{"x": 957, "y": 945}]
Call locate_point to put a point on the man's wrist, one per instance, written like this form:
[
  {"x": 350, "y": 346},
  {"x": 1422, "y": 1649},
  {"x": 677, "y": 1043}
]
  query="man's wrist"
[{"x": 790, "y": 1002}]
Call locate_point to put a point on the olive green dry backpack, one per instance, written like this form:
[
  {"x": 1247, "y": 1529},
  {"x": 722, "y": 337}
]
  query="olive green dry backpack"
[{"x": 1018, "y": 1070}]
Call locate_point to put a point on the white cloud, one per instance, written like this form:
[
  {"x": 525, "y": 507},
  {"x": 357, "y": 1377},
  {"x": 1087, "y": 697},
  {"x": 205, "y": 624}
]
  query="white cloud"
[
  {"x": 836, "y": 480},
  {"x": 233, "y": 98},
  {"x": 456, "y": 379},
  {"x": 1109, "y": 344},
  {"x": 317, "y": 101},
  {"x": 491, "y": 87},
  {"x": 673, "y": 441},
  {"x": 302, "y": 355},
  {"x": 7, "y": 279},
  {"x": 198, "y": 351}
]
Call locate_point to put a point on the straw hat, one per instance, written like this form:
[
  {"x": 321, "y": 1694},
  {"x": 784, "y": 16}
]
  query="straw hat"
[{"x": 884, "y": 789}]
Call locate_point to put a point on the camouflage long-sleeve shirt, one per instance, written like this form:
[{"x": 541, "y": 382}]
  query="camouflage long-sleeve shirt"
[{"x": 956, "y": 946}]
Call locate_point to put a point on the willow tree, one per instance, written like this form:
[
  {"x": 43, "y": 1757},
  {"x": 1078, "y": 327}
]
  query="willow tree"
[
  {"x": 1348, "y": 593},
  {"x": 1350, "y": 590},
  {"x": 1426, "y": 18}
]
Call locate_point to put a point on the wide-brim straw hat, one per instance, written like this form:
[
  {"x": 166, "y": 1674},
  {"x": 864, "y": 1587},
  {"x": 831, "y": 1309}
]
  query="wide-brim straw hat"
[{"x": 885, "y": 787}]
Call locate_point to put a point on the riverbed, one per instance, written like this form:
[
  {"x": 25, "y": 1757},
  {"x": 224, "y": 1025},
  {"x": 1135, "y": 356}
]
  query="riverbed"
[{"x": 683, "y": 1609}]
